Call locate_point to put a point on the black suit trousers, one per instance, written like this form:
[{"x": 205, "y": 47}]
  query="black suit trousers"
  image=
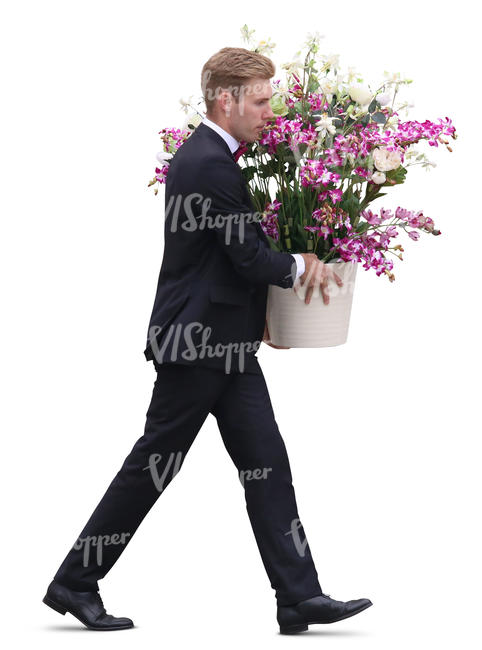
[{"x": 182, "y": 398}]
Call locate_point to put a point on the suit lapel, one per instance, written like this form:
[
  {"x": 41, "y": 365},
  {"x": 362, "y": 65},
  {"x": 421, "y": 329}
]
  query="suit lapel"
[{"x": 203, "y": 129}]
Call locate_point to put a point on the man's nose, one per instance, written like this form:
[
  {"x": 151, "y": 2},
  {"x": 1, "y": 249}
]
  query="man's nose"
[{"x": 268, "y": 114}]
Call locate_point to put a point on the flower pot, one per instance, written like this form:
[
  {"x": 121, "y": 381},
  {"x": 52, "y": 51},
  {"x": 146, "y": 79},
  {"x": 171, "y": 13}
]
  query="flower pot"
[{"x": 295, "y": 324}]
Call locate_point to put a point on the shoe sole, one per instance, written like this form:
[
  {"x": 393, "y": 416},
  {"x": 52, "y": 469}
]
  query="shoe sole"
[
  {"x": 62, "y": 610},
  {"x": 302, "y": 627}
]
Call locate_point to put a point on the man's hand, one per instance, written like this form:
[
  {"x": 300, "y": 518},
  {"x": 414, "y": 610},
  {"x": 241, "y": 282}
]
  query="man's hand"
[
  {"x": 267, "y": 340},
  {"x": 316, "y": 275}
]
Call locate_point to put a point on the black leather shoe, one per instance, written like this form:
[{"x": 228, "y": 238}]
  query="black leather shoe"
[
  {"x": 86, "y": 606},
  {"x": 320, "y": 609}
]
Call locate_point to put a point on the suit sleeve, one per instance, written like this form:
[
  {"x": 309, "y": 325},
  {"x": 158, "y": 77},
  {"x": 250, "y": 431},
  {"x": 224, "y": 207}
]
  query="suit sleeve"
[{"x": 225, "y": 212}]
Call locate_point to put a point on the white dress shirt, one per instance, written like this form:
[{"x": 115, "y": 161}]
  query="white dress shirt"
[{"x": 233, "y": 144}]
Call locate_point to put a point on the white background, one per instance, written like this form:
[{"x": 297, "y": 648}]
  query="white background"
[{"x": 382, "y": 432}]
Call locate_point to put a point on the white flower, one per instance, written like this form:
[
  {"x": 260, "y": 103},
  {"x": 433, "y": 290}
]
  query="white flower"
[
  {"x": 265, "y": 47},
  {"x": 293, "y": 66},
  {"x": 282, "y": 91},
  {"x": 247, "y": 34},
  {"x": 392, "y": 123},
  {"x": 391, "y": 76},
  {"x": 186, "y": 103},
  {"x": 163, "y": 157},
  {"x": 378, "y": 177},
  {"x": 386, "y": 160},
  {"x": 313, "y": 39},
  {"x": 195, "y": 119},
  {"x": 331, "y": 61},
  {"x": 328, "y": 88},
  {"x": 350, "y": 75},
  {"x": 396, "y": 79},
  {"x": 324, "y": 126},
  {"x": 360, "y": 94},
  {"x": 383, "y": 99}
]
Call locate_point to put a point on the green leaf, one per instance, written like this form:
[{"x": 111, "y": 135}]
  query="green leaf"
[
  {"x": 397, "y": 175},
  {"x": 299, "y": 238},
  {"x": 362, "y": 227},
  {"x": 274, "y": 245},
  {"x": 379, "y": 118},
  {"x": 249, "y": 172},
  {"x": 378, "y": 195},
  {"x": 350, "y": 204}
]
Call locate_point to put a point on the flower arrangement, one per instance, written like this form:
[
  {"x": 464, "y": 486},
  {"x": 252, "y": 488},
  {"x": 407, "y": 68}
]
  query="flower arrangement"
[{"x": 332, "y": 145}]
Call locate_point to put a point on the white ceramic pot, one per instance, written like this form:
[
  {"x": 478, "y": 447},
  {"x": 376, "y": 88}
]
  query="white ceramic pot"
[{"x": 295, "y": 324}]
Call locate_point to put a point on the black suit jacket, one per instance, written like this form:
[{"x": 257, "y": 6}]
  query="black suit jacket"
[{"x": 210, "y": 303}]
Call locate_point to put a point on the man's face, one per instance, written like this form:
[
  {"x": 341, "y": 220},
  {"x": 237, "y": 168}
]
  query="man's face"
[{"x": 247, "y": 117}]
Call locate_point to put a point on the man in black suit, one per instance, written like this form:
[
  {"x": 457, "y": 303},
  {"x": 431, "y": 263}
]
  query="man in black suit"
[{"x": 206, "y": 325}]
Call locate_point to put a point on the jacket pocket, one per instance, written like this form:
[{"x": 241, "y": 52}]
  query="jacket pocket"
[{"x": 229, "y": 295}]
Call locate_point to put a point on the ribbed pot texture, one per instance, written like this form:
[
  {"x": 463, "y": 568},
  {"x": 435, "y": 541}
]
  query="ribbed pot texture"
[{"x": 293, "y": 323}]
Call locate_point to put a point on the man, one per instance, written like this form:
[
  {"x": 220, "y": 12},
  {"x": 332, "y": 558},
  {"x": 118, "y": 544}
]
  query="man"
[{"x": 206, "y": 325}]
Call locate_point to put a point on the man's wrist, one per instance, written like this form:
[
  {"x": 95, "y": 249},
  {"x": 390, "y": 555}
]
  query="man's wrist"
[{"x": 300, "y": 264}]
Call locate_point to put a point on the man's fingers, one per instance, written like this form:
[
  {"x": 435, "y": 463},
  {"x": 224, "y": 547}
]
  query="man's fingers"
[
  {"x": 317, "y": 275},
  {"x": 318, "y": 271},
  {"x": 324, "y": 291},
  {"x": 339, "y": 281},
  {"x": 322, "y": 287}
]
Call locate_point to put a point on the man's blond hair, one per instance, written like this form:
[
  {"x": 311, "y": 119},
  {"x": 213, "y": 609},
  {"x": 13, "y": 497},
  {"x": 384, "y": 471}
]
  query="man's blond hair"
[{"x": 230, "y": 69}]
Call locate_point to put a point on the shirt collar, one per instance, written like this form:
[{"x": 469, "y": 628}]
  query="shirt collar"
[{"x": 232, "y": 143}]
